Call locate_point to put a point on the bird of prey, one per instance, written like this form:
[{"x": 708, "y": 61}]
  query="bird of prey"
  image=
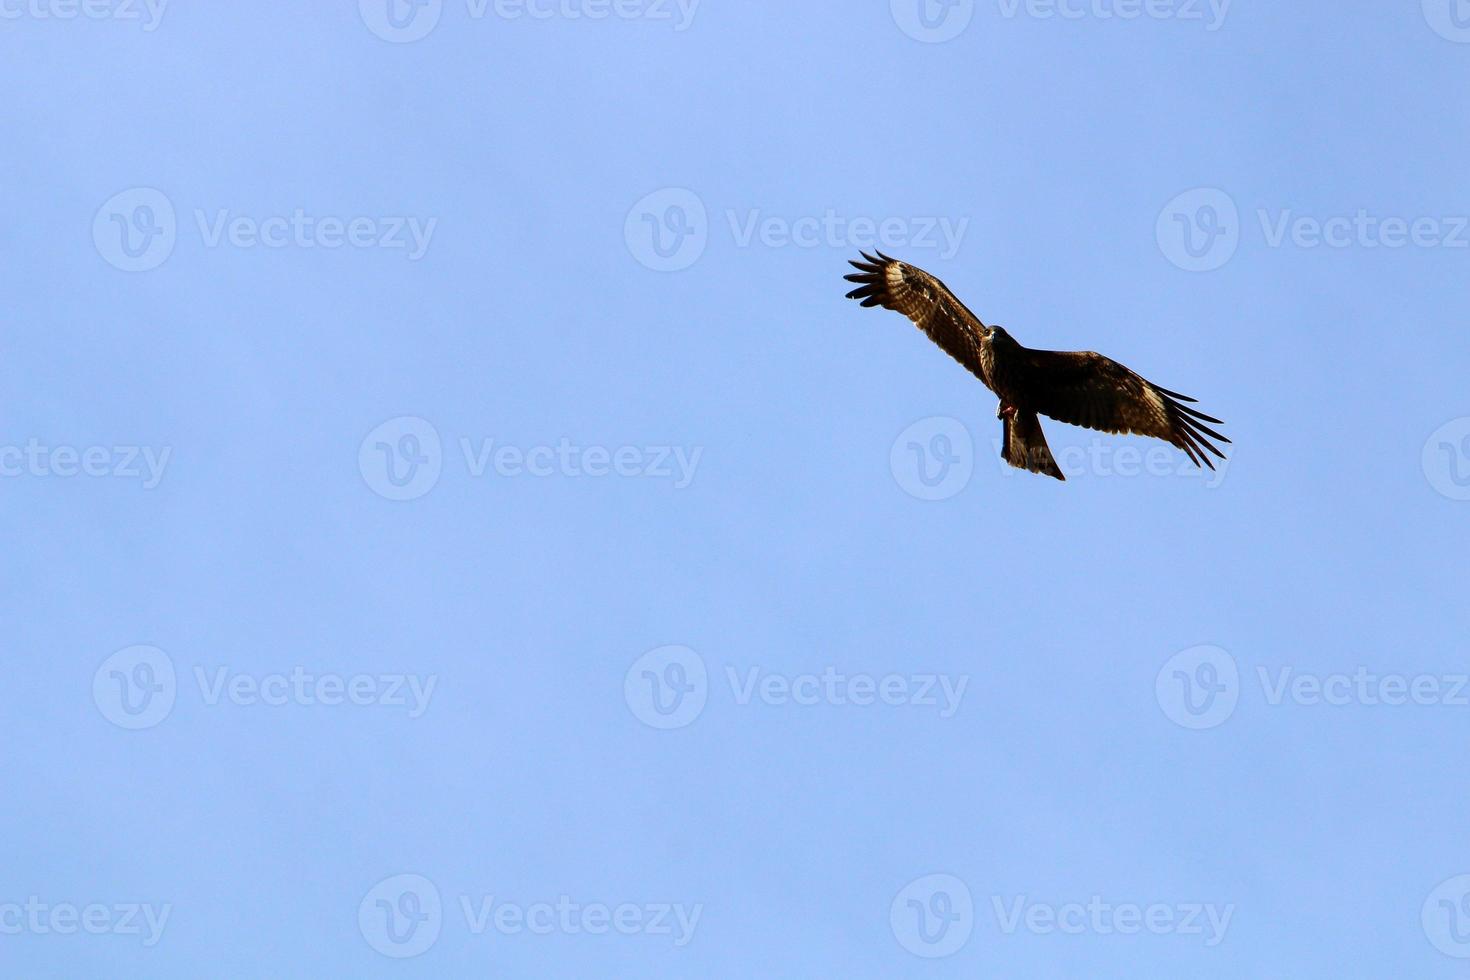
[{"x": 1080, "y": 387}]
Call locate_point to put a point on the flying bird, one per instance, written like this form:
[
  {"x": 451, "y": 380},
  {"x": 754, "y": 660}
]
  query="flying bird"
[{"x": 1080, "y": 387}]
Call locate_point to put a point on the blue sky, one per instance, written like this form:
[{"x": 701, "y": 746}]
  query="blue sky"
[{"x": 457, "y": 527}]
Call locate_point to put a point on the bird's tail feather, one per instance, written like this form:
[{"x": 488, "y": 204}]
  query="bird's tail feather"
[{"x": 1025, "y": 446}]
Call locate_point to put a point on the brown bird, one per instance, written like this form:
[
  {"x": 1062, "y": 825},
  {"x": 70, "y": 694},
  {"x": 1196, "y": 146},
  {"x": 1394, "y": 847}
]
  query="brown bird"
[{"x": 1080, "y": 387}]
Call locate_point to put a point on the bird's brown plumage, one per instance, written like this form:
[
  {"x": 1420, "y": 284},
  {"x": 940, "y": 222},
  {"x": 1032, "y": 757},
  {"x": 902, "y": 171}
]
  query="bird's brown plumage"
[
  {"x": 927, "y": 302},
  {"x": 1080, "y": 387}
]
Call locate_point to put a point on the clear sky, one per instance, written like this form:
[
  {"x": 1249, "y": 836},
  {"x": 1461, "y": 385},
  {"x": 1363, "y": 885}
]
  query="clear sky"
[{"x": 455, "y": 525}]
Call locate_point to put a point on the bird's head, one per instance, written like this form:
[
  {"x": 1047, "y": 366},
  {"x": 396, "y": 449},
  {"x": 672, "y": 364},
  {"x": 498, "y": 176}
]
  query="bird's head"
[{"x": 998, "y": 335}]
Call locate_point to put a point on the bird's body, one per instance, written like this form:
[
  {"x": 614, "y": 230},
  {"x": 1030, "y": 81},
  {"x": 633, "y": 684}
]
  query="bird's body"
[
  {"x": 1004, "y": 370},
  {"x": 1081, "y": 387}
]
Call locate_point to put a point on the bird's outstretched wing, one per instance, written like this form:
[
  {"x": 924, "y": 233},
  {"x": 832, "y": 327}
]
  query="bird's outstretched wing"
[
  {"x": 896, "y": 285},
  {"x": 1085, "y": 388}
]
